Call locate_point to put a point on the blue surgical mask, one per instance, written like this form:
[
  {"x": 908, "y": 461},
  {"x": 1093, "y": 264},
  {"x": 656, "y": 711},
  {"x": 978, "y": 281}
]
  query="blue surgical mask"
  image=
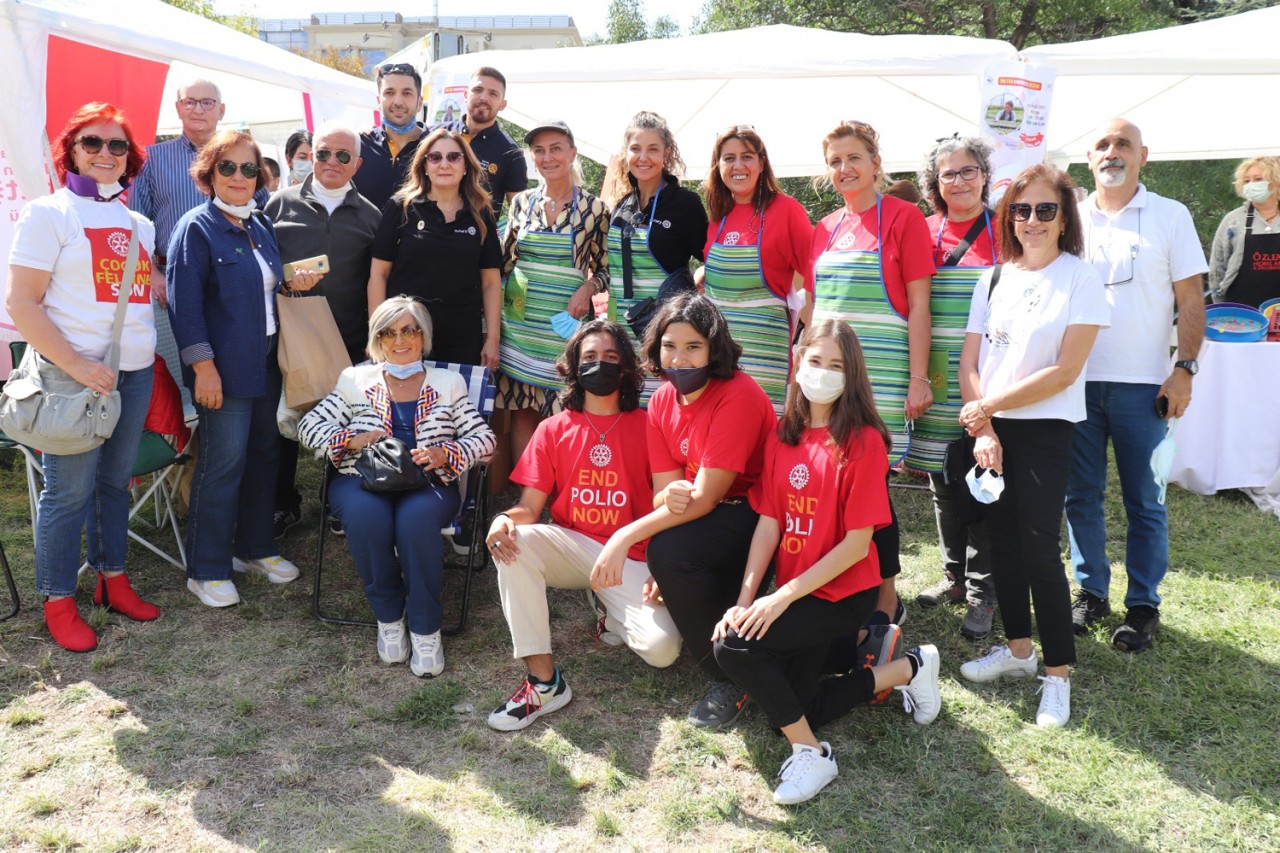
[
  {"x": 564, "y": 325},
  {"x": 403, "y": 371},
  {"x": 688, "y": 380},
  {"x": 400, "y": 128}
]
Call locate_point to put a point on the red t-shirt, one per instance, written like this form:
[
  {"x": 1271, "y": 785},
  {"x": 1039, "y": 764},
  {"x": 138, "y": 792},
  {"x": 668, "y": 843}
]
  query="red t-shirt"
[
  {"x": 907, "y": 245},
  {"x": 593, "y": 491},
  {"x": 816, "y": 504},
  {"x": 787, "y": 237},
  {"x": 981, "y": 253},
  {"x": 725, "y": 428}
]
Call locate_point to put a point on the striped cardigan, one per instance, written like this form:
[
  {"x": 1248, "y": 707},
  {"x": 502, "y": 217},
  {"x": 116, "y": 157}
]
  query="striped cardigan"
[{"x": 361, "y": 402}]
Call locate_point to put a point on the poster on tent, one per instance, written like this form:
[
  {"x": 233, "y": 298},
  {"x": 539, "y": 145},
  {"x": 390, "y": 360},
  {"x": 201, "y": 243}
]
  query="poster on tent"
[
  {"x": 1015, "y": 111},
  {"x": 447, "y": 102},
  {"x": 11, "y": 202}
]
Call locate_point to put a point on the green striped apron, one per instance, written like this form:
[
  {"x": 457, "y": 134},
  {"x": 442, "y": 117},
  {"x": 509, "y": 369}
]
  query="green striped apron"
[
  {"x": 848, "y": 284},
  {"x": 647, "y": 276},
  {"x": 529, "y": 346},
  {"x": 758, "y": 318},
  {"x": 949, "y": 308}
]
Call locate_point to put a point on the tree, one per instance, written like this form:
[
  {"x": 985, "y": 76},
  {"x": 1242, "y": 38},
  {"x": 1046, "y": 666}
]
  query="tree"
[
  {"x": 205, "y": 9},
  {"x": 627, "y": 23},
  {"x": 348, "y": 62},
  {"x": 665, "y": 27}
]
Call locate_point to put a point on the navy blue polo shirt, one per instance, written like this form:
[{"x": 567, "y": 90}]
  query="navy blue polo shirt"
[
  {"x": 380, "y": 174},
  {"x": 500, "y": 157}
]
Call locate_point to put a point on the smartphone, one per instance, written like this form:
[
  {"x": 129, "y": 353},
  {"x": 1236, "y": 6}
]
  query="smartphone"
[
  {"x": 320, "y": 264},
  {"x": 1162, "y": 407}
]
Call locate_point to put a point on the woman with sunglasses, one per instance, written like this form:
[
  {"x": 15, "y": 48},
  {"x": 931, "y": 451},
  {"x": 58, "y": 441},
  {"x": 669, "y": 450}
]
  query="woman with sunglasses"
[
  {"x": 438, "y": 241},
  {"x": 871, "y": 267},
  {"x": 757, "y": 251},
  {"x": 954, "y": 177},
  {"x": 65, "y": 309},
  {"x": 1032, "y": 322},
  {"x": 395, "y": 537},
  {"x": 224, "y": 272}
]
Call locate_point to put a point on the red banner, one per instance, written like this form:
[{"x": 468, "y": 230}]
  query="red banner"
[{"x": 79, "y": 74}]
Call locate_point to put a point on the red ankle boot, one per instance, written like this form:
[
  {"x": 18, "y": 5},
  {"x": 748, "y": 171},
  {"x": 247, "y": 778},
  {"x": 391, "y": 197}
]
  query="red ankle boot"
[
  {"x": 68, "y": 629},
  {"x": 116, "y": 594}
]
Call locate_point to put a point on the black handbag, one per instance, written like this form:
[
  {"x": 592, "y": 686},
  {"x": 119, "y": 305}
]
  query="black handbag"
[
  {"x": 640, "y": 315},
  {"x": 387, "y": 466}
]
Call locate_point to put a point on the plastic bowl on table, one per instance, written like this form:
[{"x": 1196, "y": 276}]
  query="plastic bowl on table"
[
  {"x": 1234, "y": 323},
  {"x": 1269, "y": 307}
]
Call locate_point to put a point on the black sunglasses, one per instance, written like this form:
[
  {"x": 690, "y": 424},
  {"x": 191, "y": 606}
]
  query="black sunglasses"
[
  {"x": 226, "y": 169},
  {"x": 343, "y": 155},
  {"x": 1046, "y": 211},
  {"x": 397, "y": 68},
  {"x": 93, "y": 144}
]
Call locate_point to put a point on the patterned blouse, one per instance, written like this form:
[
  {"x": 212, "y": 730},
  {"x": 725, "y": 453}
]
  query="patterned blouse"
[{"x": 589, "y": 220}]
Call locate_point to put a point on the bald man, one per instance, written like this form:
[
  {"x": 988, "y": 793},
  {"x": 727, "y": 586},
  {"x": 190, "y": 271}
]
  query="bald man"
[{"x": 1146, "y": 250}]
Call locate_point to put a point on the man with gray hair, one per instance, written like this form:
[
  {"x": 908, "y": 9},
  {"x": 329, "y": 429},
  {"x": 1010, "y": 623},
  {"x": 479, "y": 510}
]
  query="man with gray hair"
[
  {"x": 326, "y": 215},
  {"x": 164, "y": 190}
]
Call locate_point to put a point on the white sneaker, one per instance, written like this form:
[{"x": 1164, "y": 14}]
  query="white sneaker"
[
  {"x": 921, "y": 698},
  {"x": 276, "y": 569},
  {"x": 214, "y": 593},
  {"x": 391, "y": 645},
  {"x": 428, "y": 654},
  {"x": 1000, "y": 661},
  {"x": 1055, "y": 702},
  {"x": 805, "y": 773},
  {"x": 531, "y": 700}
]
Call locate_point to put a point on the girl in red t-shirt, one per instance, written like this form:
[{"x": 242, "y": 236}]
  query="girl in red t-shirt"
[{"x": 821, "y": 495}]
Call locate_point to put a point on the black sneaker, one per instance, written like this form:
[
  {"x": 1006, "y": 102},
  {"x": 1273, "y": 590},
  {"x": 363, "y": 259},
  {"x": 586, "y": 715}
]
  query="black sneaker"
[
  {"x": 1087, "y": 609},
  {"x": 721, "y": 706},
  {"x": 1140, "y": 626},
  {"x": 466, "y": 524},
  {"x": 882, "y": 645},
  {"x": 335, "y": 527},
  {"x": 284, "y": 519}
]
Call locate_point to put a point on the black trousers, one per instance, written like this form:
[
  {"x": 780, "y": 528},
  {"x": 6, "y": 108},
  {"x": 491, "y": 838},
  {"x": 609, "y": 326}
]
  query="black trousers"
[
  {"x": 699, "y": 568},
  {"x": 888, "y": 542},
  {"x": 781, "y": 670},
  {"x": 287, "y": 496},
  {"x": 962, "y": 539},
  {"x": 1024, "y": 534}
]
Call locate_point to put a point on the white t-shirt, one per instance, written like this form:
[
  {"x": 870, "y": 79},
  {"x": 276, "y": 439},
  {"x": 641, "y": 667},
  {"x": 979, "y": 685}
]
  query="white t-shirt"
[
  {"x": 83, "y": 244},
  {"x": 1023, "y": 327},
  {"x": 1139, "y": 253},
  {"x": 269, "y": 282}
]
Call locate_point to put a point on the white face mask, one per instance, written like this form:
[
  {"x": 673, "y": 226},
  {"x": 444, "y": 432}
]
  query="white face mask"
[
  {"x": 1256, "y": 192},
  {"x": 1162, "y": 457},
  {"x": 987, "y": 488},
  {"x": 301, "y": 168},
  {"x": 819, "y": 385}
]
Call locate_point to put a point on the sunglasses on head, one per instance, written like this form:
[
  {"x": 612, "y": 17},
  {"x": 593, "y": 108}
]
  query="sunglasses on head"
[
  {"x": 226, "y": 169},
  {"x": 93, "y": 144},
  {"x": 1046, "y": 211},
  {"x": 396, "y": 68},
  {"x": 323, "y": 155},
  {"x": 408, "y": 333},
  {"x": 437, "y": 156}
]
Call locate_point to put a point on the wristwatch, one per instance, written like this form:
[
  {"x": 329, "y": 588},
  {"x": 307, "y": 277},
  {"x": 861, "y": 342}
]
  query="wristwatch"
[{"x": 1190, "y": 365}]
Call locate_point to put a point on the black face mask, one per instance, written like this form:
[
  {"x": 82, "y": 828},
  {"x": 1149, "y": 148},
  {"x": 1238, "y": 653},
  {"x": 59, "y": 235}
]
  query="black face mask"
[
  {"x": 688, "y": 380},
  {"x": 601, "y": 378}
]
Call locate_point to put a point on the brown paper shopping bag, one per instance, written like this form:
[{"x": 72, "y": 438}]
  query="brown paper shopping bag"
[{"x": 312, "y": 353}]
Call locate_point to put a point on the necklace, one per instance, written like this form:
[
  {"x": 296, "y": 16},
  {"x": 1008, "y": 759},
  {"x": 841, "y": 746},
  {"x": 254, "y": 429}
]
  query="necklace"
[{"x": 600, "y": 454}]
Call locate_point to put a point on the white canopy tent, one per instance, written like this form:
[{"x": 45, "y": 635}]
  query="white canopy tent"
[
  {"x": 1197, "y": 91},
  {"x": 792, "y": 84}
]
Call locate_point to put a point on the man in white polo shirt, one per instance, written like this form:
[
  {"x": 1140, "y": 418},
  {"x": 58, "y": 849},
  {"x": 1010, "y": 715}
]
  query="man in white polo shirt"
[{"x": 1146, "y": 250}]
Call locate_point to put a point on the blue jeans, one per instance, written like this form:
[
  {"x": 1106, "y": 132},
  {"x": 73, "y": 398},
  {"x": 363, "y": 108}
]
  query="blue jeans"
[
  {"x": 396, "y": 544},
  {"x": 1125, "y": 413},
  {"x": 91, "y": 490},
  {"x": 233, "y": 492}
]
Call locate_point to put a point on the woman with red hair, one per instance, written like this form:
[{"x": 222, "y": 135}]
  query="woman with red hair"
[{"x": 65, "y": 269}]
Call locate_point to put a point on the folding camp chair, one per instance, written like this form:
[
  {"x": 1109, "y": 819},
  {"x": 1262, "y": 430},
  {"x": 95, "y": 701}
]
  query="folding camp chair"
[
  {"x": 7, "y": 443},
  {"x": 481, "y": 391}
]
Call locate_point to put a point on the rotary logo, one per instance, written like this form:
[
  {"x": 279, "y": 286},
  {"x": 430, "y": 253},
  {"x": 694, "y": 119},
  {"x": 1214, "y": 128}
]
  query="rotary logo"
[
  {"x": 844, "y": 242},
  {"x": 492, "y": 167},
  {"x": 684, "y": 446},
  {"x": 600, "y": 456},
  {"x": 118, "y": 242},
  {"x": 799, "y": 476},
  {"x": 666, "y": 223},
  {"x": 731, "y": 239},
  {"x": 472, "y": 231}
]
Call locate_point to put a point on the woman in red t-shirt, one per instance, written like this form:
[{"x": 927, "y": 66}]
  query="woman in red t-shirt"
[
  {"x": 821, "y": 495},
  {"x": 708, "y": 424},
  {"x": 757, "y": 255}
]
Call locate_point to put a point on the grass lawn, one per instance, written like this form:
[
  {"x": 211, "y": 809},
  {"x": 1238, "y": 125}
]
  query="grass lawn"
[{"x": 259, "y": 728}]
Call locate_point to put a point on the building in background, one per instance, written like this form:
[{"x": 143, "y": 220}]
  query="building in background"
[{"x": 377, "y": 35}]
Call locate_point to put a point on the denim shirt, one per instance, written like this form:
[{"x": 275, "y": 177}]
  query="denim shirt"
[{"x": 216, "y": 304}]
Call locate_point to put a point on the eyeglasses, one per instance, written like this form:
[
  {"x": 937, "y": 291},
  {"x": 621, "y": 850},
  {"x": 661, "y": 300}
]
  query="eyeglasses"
[
  {"x": 408, "y": 333},
  {"x": 397, "y": 68},
  {"x": 968, "y": 173},
  {"x": 93, "y": 144},
  {"x": 205, "y": 104},
  {"x": 1046, "y": 211},
  {"x": 437, "y": 156},
  {"x": 1116, "y": 253},
  {"x": 226, "y": 169},
  {"x": 323, "y": 155}
]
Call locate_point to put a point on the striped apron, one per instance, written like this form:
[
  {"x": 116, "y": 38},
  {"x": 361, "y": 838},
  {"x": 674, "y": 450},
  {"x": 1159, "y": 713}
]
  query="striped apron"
[
  {"x": 529, "y": 346},
  {"x": 949, "y": 308},
  {"x": 758, "y": 318},
  {"x": 647, "y": 276},
  {"x": 848, "y": 284}
]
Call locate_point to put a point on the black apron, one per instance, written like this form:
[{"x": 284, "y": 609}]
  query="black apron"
[{"x": 1259, "y": 277}]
